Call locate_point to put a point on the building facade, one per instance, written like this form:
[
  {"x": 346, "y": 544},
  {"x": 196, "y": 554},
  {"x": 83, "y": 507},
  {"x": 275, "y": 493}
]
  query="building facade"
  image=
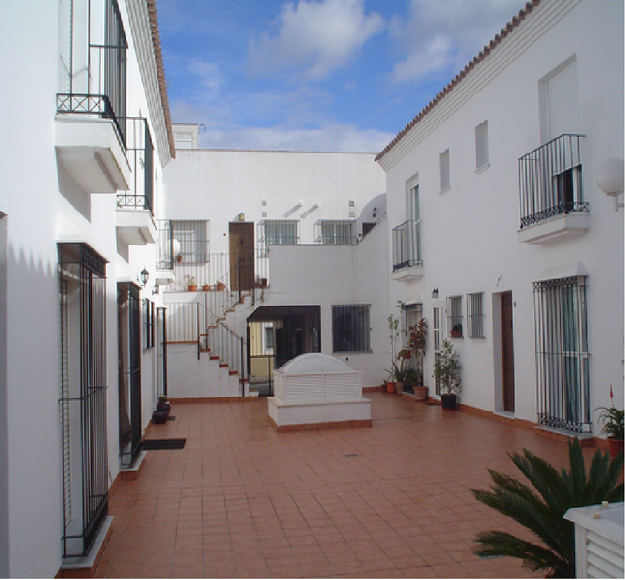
[
  {"x": 501, "y": 237},
  {"x": 81, "y": 338}
]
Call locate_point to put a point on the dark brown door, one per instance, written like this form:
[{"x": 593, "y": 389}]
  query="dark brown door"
[
  {"x": 241, "y": 236},
  {"x": 507, "y": 352}
]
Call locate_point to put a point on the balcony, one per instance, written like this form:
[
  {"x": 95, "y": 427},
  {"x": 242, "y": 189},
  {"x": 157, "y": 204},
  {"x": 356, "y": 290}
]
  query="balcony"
[
  {"x": 91, "y": 105},
  {"x": 407, "y": 262},
  {"x": 135, "y": 224},
  {"x": 551, "y": 193}
]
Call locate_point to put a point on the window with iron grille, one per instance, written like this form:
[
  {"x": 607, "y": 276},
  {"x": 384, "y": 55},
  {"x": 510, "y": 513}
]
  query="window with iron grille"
[
  {"x": 475, "y": 315},
  {"x": 280, "y": 232},
  {"x": 335, "y": 232},
  {"x": 454, "y": 316},
  {"x": 83, "y": 400},
  {"x": 148, "y": 323},
  {"x": 193, "y": 237},
  {"x": 562, "y": 357},
  {"x": 351, "y": 328}
]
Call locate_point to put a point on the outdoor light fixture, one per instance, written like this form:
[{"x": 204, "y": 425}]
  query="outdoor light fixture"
[
  {"x": 435, "y": 293},
  {"x": 144, "y": 277},
  {"x": 375, "y": 211},
  {"x": 610, "y": 179}
]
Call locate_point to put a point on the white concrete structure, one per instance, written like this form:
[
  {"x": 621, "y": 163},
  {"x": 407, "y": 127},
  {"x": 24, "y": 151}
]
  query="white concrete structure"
[
  {"x": 534, "y": 295},
  {"x": 79, "y": 180},
  {"x": 317, "y": 389}
]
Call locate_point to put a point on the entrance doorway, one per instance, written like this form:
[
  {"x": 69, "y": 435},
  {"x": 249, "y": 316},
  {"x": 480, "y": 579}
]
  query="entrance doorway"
[
  {"x": 241, "y": 237},
  {"x": 507, "y": 353}
]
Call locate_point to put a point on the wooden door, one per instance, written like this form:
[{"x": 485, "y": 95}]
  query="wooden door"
[
  {"x": 507, "y": 352},
  {"x": 241, "y": 235}
]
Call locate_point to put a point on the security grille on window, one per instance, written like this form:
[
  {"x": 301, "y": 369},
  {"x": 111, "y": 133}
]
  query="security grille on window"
[
  {"x": 280, "y": 232},
  {"x": 475, "y": 315},
  {"x": 148, "y": 322},
  {"x": 351, "y": 328},
  {"x": 562, "y": 357},
  {"x": 335, "y": 232},
  {"x": 454, "y": 316},
  {"x": 193, "y": 237}
]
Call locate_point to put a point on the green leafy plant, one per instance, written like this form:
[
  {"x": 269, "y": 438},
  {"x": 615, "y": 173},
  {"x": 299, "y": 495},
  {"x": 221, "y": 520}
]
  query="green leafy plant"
[
  {"x": 612, "y": 419},
  {"x": 541, "y": 509},
  {"x": 447, "y": 369}
]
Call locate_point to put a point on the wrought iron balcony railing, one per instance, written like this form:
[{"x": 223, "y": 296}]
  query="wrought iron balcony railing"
[
  {"x": 407, "y": 245},
  {"x": 550, "y": 180},
  {"x": 140, "y": 154}
]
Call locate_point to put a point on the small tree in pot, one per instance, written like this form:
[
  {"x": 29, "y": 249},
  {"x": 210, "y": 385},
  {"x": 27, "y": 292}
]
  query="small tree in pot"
[
  {"x": 417, "y": 336},
  {"x": 447, "y": 372}
]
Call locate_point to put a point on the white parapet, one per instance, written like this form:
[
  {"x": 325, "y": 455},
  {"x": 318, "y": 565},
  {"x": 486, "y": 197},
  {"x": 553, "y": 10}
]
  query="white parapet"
[{"x": 316, "y": 390}]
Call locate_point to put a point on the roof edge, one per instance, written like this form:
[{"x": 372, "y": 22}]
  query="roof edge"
[{"x": 488, "y": 48}]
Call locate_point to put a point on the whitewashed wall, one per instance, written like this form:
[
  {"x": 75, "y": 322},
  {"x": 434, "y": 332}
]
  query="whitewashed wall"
[
  {"x": 219, "y": 185},
  {"x": 469, "y": 232}
]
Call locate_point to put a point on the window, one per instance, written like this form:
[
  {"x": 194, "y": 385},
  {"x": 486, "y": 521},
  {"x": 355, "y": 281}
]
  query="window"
[
  {"x": 481, "y": 145},
  {"x": 280, "y": 232},
  {"x": 269, "y": 337},
  {"x": 454, "y": 316},
  {"x": 444, "y": 168},
  {"x": 148, "y": 323},
  {"x": 351, "y": 329},
  {"x": 193, "y": 237},
  {"x": 475, "y": 315},
  {"x": 562, "y": 357},
  {"x": 335, "y": 232},
  {"x": 407, "y": 236}
]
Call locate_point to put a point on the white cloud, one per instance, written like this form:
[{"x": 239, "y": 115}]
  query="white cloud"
[
  {"x": 446, "y": 34},
  {"x": 209, "y": 76},
  {"x": 314, "y": 38},
  {"x": 331, "y": 137}
]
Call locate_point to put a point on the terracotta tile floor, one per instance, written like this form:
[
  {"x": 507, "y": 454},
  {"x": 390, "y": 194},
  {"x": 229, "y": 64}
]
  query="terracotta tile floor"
[{"x": 241, "y": 500}]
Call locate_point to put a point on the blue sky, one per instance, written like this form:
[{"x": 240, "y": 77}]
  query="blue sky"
[{"x": 316, "y": 75}]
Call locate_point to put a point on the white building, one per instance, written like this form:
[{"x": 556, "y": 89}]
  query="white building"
[
  {"x": 270, "y": 235},
  {"x": 498, "y": 229},
  {"x": 87, "y": 135}
]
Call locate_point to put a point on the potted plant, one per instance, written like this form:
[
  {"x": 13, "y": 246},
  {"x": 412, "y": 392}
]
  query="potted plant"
[
  {"x": 163, "y": 408},
  {"x": 612, "y": 419},
  {"x": 447, "y": 372},
  {"x": 206, "y": 287},
  {"x": 393, "y": 331},
  {"x": 456, "y": 331},
  {"x": 192, "y": 284},
  {"x": 417, "y": 343}
]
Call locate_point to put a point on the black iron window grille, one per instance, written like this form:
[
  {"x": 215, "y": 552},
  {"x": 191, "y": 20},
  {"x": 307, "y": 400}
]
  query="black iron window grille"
[
  {"x": 407, "y": 245},
  {"x": 148, "y": 323},
  {"x": 165, "y": 259},
  {"x": 129, "y": 343},
  {"x": 454, "y": 316},
  {"x": 562, "y": 357},
  {"x": 161, "y": 369},
  {"x": 82, "y": 402},
  {"x": 351, "y": 328},
  {"x": 475, "y": 315},
  {"x": 140, "y": 154},
  {"x": 550, "y": 180},
  {"x": 93, "y": 73},
  {"x": 335, "y": 232}
]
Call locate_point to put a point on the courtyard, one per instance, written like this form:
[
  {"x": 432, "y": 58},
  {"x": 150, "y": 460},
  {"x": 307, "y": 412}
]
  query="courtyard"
[{"x": 391, "y": 501}]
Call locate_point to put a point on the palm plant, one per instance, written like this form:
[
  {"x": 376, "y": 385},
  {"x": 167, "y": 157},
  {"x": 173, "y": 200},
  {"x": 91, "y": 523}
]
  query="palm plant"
[{"x": 542, "y": 510}]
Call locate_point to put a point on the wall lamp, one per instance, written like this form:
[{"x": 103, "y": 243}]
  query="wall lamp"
[
  {"x": 610, "y": 179},
  {"x": 144, "y": 276},
  {"x": 435, "y": 293},
  {"x": 375, "y": 211}
]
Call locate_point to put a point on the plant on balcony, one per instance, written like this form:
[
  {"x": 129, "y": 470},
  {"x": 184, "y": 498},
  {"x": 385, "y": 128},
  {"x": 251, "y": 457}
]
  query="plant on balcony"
[
  {"x": 541, "y": 509},
  {"x": 456, "y": 331},
  {"x": 612, "y": 419},
  {"x": 447, "y": 372},
  {"x": 191, "y": 284},
  {"x": 206, "y": 287}
]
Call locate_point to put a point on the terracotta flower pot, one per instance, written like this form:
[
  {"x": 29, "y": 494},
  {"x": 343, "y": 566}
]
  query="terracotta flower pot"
[
  {"x": 420, "y": 393},
  {"x": 399, "y": 385},
  {"x": 192, "y": 288},
  {"x": 390, "y": 386}
]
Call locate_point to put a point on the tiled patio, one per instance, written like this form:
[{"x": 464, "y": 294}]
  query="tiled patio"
[{"x": 241, "y": 500}]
